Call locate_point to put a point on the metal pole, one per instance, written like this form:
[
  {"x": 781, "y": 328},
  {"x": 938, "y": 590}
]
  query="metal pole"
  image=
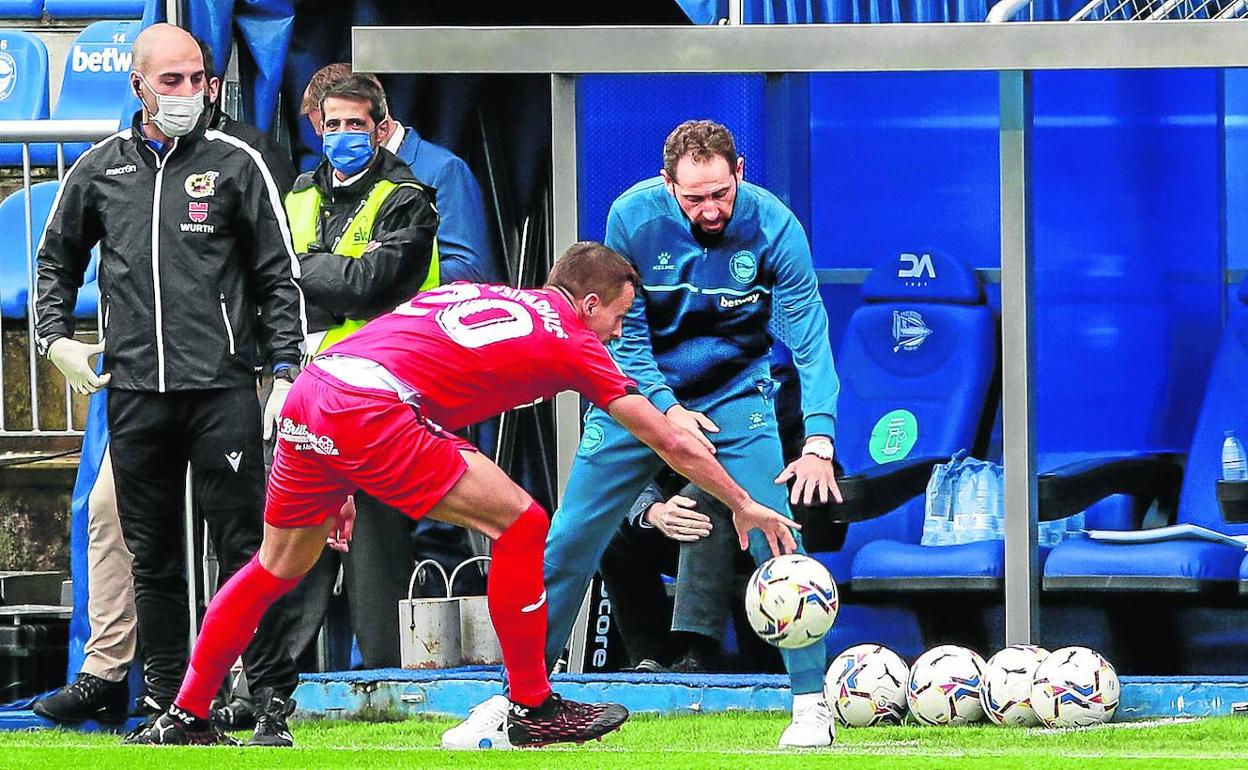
[
  {"x": 188, "y": 527},
  {"x": 565, "y": 232},
  {"x": 736, "y": 12},
  {"x": 563, "y": 193},
  {"x": 1018, "y": 360},
  {"x": 32, "y": 356}
]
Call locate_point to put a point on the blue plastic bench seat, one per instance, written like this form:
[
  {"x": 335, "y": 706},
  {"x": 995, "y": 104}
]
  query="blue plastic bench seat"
[
  {"x": 1186, "y": 566},
  {"x": 21, "y": 9},
  {"x": 94, "y": 9}
]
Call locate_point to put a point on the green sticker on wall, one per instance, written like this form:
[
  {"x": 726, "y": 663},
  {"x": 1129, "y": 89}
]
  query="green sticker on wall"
[{"x": 893, "y": 436}]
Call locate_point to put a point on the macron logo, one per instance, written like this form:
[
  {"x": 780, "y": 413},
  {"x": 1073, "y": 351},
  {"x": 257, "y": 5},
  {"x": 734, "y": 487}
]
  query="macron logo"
[
  {"x": 107, "y": 60},
  {"x": 129, "y": 168}
]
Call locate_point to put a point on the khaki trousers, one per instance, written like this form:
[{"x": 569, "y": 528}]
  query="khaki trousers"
[{"x": 110, "y": 605}]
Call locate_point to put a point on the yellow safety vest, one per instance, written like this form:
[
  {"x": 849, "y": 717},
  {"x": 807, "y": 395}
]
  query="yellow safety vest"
[{"x": 303, "y": 210}]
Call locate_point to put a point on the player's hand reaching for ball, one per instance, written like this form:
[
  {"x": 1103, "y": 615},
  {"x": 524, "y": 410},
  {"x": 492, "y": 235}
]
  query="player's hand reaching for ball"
[
  {"x": 344, "y": 526},
  {"x": 776, "y": 528}
]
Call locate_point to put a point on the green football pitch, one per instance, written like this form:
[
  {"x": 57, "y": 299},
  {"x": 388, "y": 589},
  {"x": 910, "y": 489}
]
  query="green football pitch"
[{"x": 745, "y": 740}]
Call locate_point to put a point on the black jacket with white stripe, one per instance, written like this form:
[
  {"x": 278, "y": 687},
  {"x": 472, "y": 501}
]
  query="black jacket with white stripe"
[{"x": 197, "y": 272}]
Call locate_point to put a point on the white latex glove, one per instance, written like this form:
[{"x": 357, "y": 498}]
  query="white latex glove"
[
  {"x": 73, "y": 358},
  {"x": 273, "y": 407},
  {"x": 678, "y": 520},
  {"x": 339, "y": 537}
]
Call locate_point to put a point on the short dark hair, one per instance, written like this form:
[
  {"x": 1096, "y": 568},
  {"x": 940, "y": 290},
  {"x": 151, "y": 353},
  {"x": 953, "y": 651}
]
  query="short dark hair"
[
  {"x": 205, "y": 50},
  {"x": 358, "y": 88},
  {"x": 590, "y": 267},
  {"x": 325, "y": 77},
  {"x": 704, "y": 140}
]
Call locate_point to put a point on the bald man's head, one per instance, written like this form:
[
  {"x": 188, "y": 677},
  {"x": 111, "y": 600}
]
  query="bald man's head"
[
  {"x": 166, "y": 62},
  {"x": 158, "y": 42}
]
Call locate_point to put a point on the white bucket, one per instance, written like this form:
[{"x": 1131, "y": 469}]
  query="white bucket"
[
  {"x": 428, "y": 628},
  {"x": 478, "y": 639}
]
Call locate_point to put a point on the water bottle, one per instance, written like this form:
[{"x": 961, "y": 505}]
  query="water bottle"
[
  {"x": 963, "y": 500},
  {"x": 998, "y": 513},
  {"x": 983, "y": 501},
  {"x": 937, "y": 527},
  {"x": 1075, "y": 525},
  {"x": 1234, "y": 462}
]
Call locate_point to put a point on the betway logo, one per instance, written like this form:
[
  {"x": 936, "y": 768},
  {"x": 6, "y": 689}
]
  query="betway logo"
[{"x": 108, "y": 60}]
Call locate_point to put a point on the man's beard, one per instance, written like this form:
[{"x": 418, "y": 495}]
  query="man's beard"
[{"x": 708, "y": 240}]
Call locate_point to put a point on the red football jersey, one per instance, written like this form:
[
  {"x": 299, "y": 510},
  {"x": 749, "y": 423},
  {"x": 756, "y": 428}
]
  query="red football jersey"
[{"x": 475, "y": 350}]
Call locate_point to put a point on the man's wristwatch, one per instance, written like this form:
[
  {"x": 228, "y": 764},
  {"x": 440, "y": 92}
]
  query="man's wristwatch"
[
  {"x": 286, "y": 372},
  {"x": 821, "y": 448}
]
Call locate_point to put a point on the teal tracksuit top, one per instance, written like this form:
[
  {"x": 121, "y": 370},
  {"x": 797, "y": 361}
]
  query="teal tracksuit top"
[{"x": 706, "y": 313}]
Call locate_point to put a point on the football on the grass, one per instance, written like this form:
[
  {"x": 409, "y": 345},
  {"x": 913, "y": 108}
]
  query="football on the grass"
[
  {"x": 944, "y": 686},
  {"x": 866, "y": 686},
  {"x": 1006, "y": 693}
]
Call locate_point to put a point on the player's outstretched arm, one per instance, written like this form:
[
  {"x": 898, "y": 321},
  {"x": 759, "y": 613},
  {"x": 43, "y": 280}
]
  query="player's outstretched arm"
[{"x": 688, "y": 457}]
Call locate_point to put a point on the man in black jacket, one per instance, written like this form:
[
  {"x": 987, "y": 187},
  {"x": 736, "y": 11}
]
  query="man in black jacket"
[{"x": 197, "y": 274}]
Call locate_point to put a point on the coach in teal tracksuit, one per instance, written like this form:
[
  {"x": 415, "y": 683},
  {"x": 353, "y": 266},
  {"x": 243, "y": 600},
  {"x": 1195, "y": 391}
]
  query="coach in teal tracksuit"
[{"x": 722, "y": 261}]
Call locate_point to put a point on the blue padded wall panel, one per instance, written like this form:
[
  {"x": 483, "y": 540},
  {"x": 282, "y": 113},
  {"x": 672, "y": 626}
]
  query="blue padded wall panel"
[
  {"x": 904, "y": 161},
  {"x": 1127, "y": 256},
  {"x": 623, "y": 120}
]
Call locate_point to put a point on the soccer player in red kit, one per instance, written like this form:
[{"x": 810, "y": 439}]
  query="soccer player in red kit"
[{"x": 373, "y": 413}]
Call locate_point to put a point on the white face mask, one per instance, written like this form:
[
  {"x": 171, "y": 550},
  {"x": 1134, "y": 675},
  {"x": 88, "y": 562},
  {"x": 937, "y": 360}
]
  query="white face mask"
[{"x": 176, "y": 115}]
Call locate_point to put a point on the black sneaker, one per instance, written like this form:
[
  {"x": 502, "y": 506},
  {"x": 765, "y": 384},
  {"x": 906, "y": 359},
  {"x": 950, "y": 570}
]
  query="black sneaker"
[
  {"x": 176, "y": 727},
  {"x": 148, "y": 710},
  {"x": 650, "y": 666},
  {"x": 690, "y": 664},
  {"x": 87, "y": 697},
  {"x": 272, "y": 710},
  {"x": 562, "y": 721},
  {"x": 238, "y": 714}
]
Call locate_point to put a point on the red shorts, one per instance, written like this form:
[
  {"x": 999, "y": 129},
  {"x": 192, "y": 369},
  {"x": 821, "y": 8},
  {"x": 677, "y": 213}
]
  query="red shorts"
[{"x": 334, "y": 438}]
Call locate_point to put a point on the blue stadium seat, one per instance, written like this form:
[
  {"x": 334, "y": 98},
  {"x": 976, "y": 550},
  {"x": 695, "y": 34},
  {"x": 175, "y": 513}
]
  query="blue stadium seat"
[
  {"x": 97, "y": 74},
  {"x": 23, "y": 83},
  {"x": 917, "y": 365},
  {"x": 1186, "y": 566},
  {"x": 94, "y": 9},
  {"x": 21, "y": 9},
  {"x": 13, "y": 256}
]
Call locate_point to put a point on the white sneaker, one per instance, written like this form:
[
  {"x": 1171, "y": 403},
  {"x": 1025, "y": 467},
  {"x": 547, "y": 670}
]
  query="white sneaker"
[
  {"x": 485, "y": 727},
  {"x": 812, "y": 725}
]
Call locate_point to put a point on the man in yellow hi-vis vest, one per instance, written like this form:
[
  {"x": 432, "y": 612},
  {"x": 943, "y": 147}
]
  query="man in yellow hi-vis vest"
[{"x": 364, "y": 229}]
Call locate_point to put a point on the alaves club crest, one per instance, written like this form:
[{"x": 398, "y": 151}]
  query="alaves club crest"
[{"x": 909, "y": 331}]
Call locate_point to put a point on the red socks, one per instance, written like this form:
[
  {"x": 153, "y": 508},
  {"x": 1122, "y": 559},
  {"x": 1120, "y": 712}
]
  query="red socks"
[
  {"x": 229, "y": 624},
  {"x": 517, "y": 599}
]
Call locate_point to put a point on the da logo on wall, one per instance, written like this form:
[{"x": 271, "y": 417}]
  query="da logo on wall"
[{"x": 893, "y": 436}]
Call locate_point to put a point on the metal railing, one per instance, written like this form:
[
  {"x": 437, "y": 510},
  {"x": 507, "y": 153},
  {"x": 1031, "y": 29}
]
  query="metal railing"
[
  {"x": 32, "y": 135},
  {"x": 1136, "y": 10}
]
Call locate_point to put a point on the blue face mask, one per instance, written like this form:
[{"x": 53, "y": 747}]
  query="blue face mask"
[{"x": 348, "y": 151}]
